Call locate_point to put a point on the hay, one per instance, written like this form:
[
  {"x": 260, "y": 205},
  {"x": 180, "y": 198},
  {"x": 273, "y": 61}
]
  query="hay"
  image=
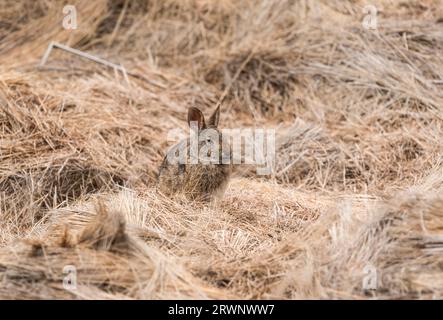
[{"x": 359, "y": 166}]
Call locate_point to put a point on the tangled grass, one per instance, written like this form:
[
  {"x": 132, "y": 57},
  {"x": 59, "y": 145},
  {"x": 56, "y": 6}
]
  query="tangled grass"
[{"x": 358, "y": 176}]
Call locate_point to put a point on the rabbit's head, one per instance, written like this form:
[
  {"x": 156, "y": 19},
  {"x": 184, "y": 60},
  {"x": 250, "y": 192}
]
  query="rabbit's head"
[{"x": 212, "y": 146}]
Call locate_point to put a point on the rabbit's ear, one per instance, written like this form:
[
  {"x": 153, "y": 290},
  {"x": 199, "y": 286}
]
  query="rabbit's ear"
[
  {"x": 195, "y": 115},
  {"x": 215, "y": 117}
]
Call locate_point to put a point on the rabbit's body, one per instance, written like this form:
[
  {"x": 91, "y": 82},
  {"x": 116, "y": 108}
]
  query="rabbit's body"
[
  {"x": 195, "y": 181},
  {"x": 202, "y": 180}
]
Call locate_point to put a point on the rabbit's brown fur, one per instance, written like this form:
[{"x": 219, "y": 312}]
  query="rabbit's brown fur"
[{"x": 199, "y": 181}]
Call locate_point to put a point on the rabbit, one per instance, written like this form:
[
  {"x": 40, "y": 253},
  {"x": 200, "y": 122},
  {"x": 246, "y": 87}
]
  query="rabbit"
[{"x": 199, "y": 180}]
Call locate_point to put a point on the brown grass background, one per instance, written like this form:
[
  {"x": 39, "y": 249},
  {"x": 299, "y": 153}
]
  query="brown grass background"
[{"x": 359, "y": 166}]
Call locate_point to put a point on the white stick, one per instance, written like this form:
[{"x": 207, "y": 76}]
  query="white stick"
[
  {"x": 47, "y": 53},
  {"x": 84, "y": 55}
]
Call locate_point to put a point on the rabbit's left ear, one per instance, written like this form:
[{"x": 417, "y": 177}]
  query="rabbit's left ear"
[
  {"x": 215, "y": 117},
  {"x": 195, "y": 115}
]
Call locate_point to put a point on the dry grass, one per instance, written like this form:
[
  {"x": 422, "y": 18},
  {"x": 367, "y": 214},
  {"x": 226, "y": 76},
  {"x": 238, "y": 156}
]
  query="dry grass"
[{"x": 359, "y": 164}]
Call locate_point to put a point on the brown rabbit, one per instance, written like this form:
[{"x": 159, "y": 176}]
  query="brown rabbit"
[{"x": 200, "y": 179}]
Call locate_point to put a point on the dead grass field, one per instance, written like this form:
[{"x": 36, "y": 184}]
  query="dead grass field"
[{"x": 359, "y": 164}]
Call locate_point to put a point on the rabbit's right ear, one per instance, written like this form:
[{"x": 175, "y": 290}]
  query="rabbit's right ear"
[
  {"x": 215, "y": 117},
  {"x": 195, "y": 115}
]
